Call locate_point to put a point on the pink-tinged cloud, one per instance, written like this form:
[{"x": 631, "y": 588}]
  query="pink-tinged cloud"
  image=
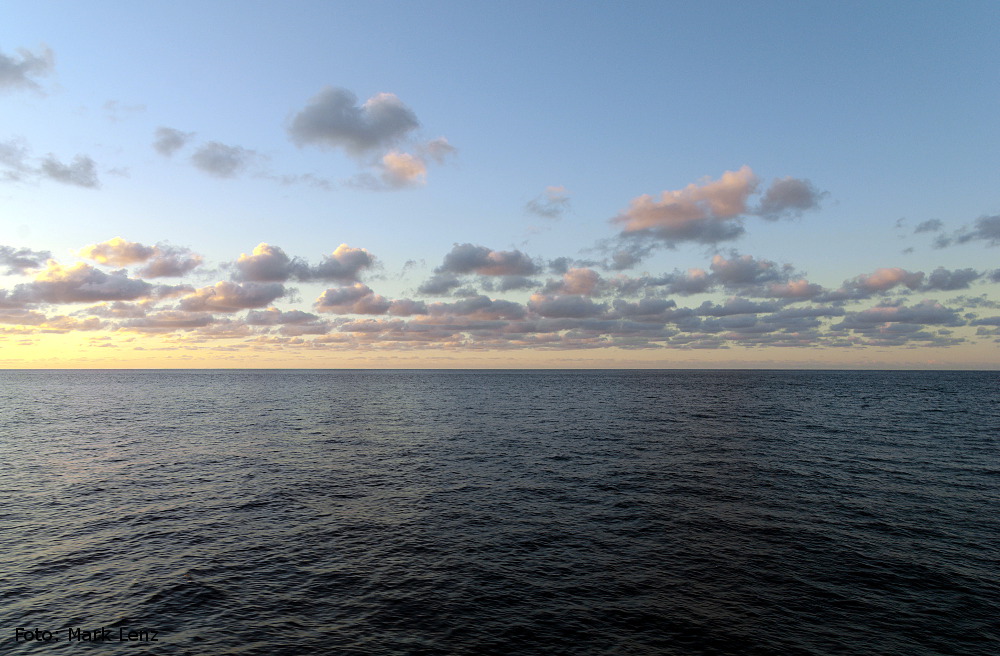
[
  {"x": 794, "y": 289},
  {"x": 403, "y": 170},
  {"x": 705, "y": 213},
  {"x": 579, "y": 281},
  {"x": 885, "y": 279},
  {"x": 228, "y": 296}
]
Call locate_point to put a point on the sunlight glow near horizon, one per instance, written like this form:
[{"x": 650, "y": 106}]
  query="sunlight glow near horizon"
[{"x": 665, "y": 186}]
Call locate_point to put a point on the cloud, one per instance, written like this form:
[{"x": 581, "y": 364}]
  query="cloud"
[
  {"x": 270, "y": 263},
  {"x": 735, "y": 305},
  {"x": 985, "y": 228},
  {"x": 788, "y": 197},
  {"x": 467, "y": 258},
  {"x": 945, "y": 280},
  {"x": 745, "y": 270},
  {"x": 439, "y": 284},
  {"x": 82, "y": 172},
  {"x": 163, "y": 261},
  {"x": 564, "y": 306},
  {"x": 227, "y": 296},
  {"x": 550, "y": 204},
  {"x": 885, "y": 279},
  {"x": 222, "y": 161},
  {"x": 13, "y": 154},
  {"x": 18, "y": 72},
  {"x": 168, "y": 140},
  {"x": 273, "y": 316},
  {"x": 118, "y": 252},
  {"x": 81, "y": 283},
  {"x": 19, "y": 260},
  {"x": 170, "y": 262},
  {"x": 703, "y": 213},
  {"x": 168, "y": 321},
  {"x": 931, "y": 225},
  {"x": 438, "y": 150},
  {"x": 794, "y": 290},
  {"x": 360, "y": 299},
  {"x": 334, "y": 119},
  {"x": 15, "y": 166},
  {"x": 584, "y": 282},
  {"x": 480, "y": 308},
  {"x": 925, "y": 312},
  {"x": 403, "y": 170}
]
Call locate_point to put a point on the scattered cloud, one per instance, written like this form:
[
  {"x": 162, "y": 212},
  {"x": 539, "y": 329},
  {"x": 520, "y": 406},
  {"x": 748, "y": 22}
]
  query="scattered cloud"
[
  {"x": 553, "y": 203},
  {"x": 19, "y": 71},
  {"x": 82, "y": 172},
  {"x": 931, "y": 225},
  {"x": 403, "y": 170},
  {"x": 713, "y": 211},
  {"x": 885, "y": 279},
  {"x": 269, "y": 263},
  {"x": 985, "y": 228},
  {"x": 227, "y": 296},
  {"x": 222, "y": 161},
  {"x": 162, "y": 261},
  {"x": 438, "y": 150},
  {"x": 20, "y": 260},
  {"x": 706, "y": 213},
  {"x": 81, "y": 283},
  {"x": 468, "y": 258},
  {"x": 789, "y": 197},
  {"x": 334, "y": 119},
  {"x": 945, "y": 280},
  {"x": 168, "y": 140},
  {"x": 16, "y": 165}
]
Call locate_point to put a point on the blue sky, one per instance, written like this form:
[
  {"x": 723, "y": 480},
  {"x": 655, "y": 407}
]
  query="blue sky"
[{"x": 859, "y": 141}]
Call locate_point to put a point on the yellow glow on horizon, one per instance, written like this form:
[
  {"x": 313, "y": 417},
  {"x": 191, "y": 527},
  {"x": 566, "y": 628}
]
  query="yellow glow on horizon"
[{"x": 75, "y": 350}]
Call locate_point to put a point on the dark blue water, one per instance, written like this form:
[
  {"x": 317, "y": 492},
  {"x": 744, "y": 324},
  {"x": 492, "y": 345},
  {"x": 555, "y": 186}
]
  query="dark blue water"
[{"x": 625, "y": 513}]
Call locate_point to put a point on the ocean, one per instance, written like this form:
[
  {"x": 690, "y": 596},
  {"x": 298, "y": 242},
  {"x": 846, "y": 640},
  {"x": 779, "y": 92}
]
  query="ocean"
[{"x": 500, "y": 512}]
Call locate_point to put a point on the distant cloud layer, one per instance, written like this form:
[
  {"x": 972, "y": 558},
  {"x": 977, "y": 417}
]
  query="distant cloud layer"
[{"x": 764, "y": 304}]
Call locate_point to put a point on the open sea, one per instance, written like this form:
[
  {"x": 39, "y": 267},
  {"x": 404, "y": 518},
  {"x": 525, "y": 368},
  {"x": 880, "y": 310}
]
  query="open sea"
[{"x": 500, "y": 512}]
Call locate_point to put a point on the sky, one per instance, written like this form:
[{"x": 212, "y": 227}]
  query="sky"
[{"x": 497, "y": 185}]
